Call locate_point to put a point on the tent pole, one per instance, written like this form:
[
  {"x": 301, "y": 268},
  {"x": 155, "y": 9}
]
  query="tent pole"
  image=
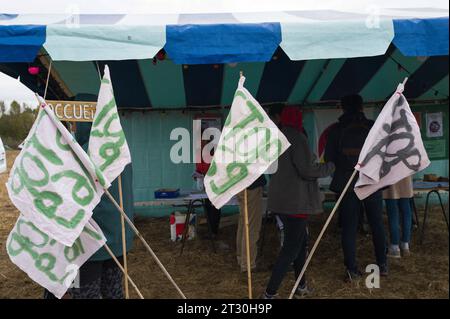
[
  {"x": 124, "y": 243},
  {"x": 321, "y": 234},
  {"x": 147, "y": 246},
  {"x": 247, "y": 246},
  {"x": 48, "y": 78},
  {"x": 123, "y": 270}
]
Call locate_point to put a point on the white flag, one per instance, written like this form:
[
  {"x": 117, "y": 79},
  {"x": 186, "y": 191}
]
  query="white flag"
[
  {"x": 393, "y": 149},
  {"x": 2, "y": 157},
  {"x": 53, "y": 183},
  {"x": 108, "y": 147},
  {"x": 250, "y": 142},
  {"x": 48, "y": 262}
]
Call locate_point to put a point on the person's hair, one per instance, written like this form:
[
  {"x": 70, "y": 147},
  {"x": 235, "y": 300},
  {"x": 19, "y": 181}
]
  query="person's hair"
[
  {"x": 352, "y": 103},
  {"x": 275, "y": 109}
]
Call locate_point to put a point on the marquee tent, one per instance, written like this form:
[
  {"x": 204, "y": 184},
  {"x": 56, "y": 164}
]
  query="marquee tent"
[
  {"x": 220, "y": 33},
  {"x": 299, "y": 53},
  {"x": 285, "y": 46}
]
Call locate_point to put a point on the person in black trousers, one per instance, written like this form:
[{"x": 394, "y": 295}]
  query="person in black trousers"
[{"x": 344, "y": 144}]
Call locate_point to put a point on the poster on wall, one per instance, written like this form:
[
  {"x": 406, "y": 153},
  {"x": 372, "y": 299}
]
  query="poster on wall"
[
  {"x": 206, "y": 135},
  {"x": 435, "y": 126}
]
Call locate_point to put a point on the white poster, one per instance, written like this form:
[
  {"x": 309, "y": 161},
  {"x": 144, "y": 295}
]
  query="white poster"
[{"x": 435, "y": 126}]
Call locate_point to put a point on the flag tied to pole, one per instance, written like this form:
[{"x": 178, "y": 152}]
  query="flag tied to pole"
[
  {"x": 250, "y": 142},
  {"x": 393, "y": 149},
  {"x": 108, "y": 147},
  {"x": 48, "y": 262},
  {"x": 53, "y": 183},
  {"x": 56, "y": 186}
]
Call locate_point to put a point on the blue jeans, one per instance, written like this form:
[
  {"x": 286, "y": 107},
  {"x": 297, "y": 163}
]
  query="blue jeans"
[
  {"x": 399, "y": 213},
  {"x": 348, "y": 212}
]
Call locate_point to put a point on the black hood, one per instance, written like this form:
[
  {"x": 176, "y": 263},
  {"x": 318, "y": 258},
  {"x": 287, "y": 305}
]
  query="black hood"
[{"x": 352, "y": 117}]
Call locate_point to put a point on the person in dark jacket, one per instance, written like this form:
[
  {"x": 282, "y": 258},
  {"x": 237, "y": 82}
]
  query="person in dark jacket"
[
  {"x": 293, "y": 195},
  {"x": 344, "y": 144},
  {"x": 100, "y": 277}
]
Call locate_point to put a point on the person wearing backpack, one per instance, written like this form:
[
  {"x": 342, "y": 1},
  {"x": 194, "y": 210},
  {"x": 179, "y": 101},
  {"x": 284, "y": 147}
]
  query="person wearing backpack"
[{"x": 344, "y": 144}]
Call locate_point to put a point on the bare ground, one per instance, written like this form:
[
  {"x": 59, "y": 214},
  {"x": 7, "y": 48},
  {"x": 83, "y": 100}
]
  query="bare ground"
[{"x": 203, "y": 274}]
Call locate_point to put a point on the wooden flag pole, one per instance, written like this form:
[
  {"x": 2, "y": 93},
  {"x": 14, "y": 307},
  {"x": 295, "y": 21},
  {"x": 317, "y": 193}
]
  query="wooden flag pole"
[
  {"x": 135, "y": 230},
  {"x": 147, "y": 246},
  {"x": 247, "y": 235},
  {"x": 247, "y": 247},
  {"x": 336, "y": 206},
  {"x": 123, "y": 270},
  {"x": 124, "y": 242}
]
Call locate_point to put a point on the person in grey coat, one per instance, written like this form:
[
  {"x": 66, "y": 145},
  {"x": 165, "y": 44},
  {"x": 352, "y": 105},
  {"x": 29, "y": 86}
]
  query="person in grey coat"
[{"x": 293, "y": 195}]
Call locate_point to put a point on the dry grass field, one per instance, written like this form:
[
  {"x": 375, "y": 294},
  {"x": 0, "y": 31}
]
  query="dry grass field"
[{"x": 202, "y": 274}]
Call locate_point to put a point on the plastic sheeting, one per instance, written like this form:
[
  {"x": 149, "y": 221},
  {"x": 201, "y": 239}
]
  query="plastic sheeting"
[
  {"x": 422, "y": 37},
  {"x": 20, "y": 43},
  {"x": 103, "y": 42},
  {"x": 222, "y": 43}
]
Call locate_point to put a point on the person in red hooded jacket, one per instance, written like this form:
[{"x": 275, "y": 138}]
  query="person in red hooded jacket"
[
  {"x": 293, "y": 195},
  {"x": 201, "y": 169}
]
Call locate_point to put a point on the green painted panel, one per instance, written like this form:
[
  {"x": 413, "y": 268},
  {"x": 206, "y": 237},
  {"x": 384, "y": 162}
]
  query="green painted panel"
[
  {"x": 164, "y": 83},
  {"x": 385, "y": 81},
  {"x": 252, "y": 72},
  {"x": 310, "y": 72},
  {"x": 148, "y": 136},
  {"x": 325, "y": 80},
  {"x": 80, "y": 77},
  {"x": 442, "y": 91}
]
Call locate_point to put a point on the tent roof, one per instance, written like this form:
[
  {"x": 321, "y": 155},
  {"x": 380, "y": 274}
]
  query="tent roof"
[
  {"x": 142, "y": 84},
  {"x": 291, "y": 51},
  {"x": 214, "y": 31}
]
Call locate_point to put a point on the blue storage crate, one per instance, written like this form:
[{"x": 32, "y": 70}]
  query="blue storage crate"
[{"x": 167, "y": 193}]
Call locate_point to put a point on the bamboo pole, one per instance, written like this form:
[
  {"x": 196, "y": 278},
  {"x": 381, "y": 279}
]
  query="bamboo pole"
[
  {"x": 247, "y": 247},
  {"x": 147, "y": 246},
  {"x": 321, "y": 234},
  {"x": 123, "y": 270},
  {"x": 124, "y": 243}
]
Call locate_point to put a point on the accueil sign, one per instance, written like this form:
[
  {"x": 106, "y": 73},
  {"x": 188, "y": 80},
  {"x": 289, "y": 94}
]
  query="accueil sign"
[{"x": 73, "y": 111}]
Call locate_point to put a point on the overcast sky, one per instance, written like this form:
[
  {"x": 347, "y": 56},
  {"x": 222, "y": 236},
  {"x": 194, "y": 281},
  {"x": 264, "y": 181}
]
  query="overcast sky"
[{"x": 11, "y": 89}]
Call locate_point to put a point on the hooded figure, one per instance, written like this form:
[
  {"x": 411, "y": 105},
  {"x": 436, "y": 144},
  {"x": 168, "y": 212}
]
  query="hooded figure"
[
  {"x": 293, "y": 195},
  {"x": 293, "y": 188}
]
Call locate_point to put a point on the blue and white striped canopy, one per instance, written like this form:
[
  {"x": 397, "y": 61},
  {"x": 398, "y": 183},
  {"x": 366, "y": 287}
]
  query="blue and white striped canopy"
[{"x": 225, "y": 33}]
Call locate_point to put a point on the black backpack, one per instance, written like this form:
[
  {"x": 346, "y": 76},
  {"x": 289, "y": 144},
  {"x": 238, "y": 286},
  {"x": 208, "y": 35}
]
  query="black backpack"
[{"x": 351, "y": 141}]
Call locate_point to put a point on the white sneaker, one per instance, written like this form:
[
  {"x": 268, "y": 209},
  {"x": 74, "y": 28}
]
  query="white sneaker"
[
  {"x": 394, "y": 253},
  {"x": 404, "y": 247}
]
